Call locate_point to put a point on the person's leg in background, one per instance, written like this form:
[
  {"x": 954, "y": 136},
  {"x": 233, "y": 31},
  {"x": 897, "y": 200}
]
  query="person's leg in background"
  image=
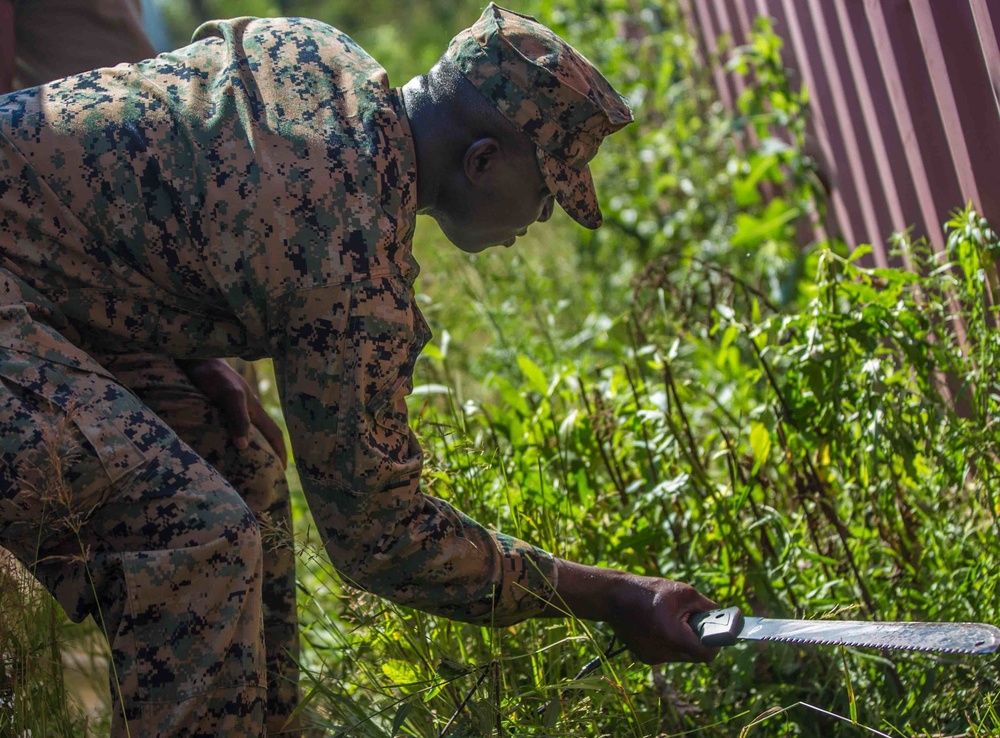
[
  {"x": 6, "y": 46},
  {"x": 57, "y": 38}
]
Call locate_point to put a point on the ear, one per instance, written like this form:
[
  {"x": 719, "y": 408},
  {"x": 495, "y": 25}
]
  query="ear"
[{"x": 481, "y": 158}]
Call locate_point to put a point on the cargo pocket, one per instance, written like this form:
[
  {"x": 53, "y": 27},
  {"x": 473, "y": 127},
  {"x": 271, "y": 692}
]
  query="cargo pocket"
[
  {"x": 193, "y": 622},
  {"x": 389, "y": 419},
  {"x": 66, "y": 436},
  {"x": 404, "y": 349}
]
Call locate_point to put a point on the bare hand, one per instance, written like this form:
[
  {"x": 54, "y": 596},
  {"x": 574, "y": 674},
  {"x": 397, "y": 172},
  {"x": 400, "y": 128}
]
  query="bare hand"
[
  {"x": 227, "y": 389},
  {"x": 648, "y": 614},
  {"x": 651, "y": 618}
]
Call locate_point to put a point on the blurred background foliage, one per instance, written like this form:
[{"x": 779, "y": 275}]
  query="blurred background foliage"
[{"x": 693, "y": 392}]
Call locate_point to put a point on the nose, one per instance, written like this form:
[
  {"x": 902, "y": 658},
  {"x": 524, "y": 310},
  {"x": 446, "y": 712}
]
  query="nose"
[{"x": 547, "y": 208}]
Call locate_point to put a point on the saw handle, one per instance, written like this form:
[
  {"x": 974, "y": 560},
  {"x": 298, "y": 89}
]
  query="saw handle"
[{"x": 717, "y": 627}]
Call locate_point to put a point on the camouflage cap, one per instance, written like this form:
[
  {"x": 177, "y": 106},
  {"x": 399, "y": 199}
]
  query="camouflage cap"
[{"x": 549, "y": 90}]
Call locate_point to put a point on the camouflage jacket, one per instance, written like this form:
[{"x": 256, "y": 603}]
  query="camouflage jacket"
[{"x": 254, "y": 194}]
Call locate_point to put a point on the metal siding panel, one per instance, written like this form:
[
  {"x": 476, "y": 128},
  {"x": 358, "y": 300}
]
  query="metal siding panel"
[
  {"x": 987, "y": 33},
  {"x": 944, "y": 95},
  {"x": 847, "y": 110},
  {"x": 871, "y": 67},
  {"x": 846, "y": 207},
  {"x": 987, "y": 30},
  {"x": 888, "y": 156},
  {"x": 731, "y": 22},
  {"x": 924, "y": 140},
  {"x": 976, "y": 133},
  {"x": 696, "y": 31},
  {"x": 813, "y": 228},
  {"x": 710, "y": 33},
  {"x": 816, "y": 143},
  {"x": 744, "y": 10},
  {"x": 723, "y": 22}
]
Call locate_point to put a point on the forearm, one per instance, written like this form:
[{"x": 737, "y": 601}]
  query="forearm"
[
  {"x": 585, "y": 592},
  {"x": 421, "y": 552},
  {"x": 648, "y": 614}
]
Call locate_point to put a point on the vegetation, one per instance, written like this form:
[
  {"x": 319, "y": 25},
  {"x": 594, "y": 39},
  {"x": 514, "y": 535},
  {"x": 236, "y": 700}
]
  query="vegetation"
[{"x": 689, "y": 392}]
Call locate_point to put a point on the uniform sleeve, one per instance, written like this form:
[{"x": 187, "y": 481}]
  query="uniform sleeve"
[{"x": 345, "y": 374}]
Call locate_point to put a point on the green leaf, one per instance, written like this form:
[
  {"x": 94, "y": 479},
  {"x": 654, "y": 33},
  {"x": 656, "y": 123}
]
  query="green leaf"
[
  {"x": 400, "y": 672},
  {"x": 861, "y": 251},
  {"x": 450, "y": 669},
  {"x": 745, "y": 190},
  {"x": 534, "y": 375},
  {"x": 751, "y": 231},
  {"x": 431, "y": 351},
  {"x": 401, "y": 715},
  {"x": 760, "y": 442}
]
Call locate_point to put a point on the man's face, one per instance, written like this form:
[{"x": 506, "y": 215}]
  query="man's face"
[{"x": 494, "y": 202}]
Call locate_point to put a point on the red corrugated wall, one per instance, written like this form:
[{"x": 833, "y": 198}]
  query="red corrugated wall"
[{"x": 905, "y": 102}]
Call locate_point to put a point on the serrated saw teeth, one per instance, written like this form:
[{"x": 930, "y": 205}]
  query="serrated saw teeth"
[{"x": 862, "y": 644}]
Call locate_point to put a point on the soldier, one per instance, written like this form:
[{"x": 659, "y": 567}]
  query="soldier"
[
  {"x": 255, "y": 194},
  {"x": 199, "y": 400}
]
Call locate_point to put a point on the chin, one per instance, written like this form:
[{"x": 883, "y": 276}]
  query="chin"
[
  {"x": 465, "y": 239},
  {"x": 473, "y": 248},
  {"x": 468, "y": 244}
]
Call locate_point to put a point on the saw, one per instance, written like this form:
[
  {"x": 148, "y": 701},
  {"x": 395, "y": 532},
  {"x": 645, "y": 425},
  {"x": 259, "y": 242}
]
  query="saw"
[{"x": 725, "y": 627}]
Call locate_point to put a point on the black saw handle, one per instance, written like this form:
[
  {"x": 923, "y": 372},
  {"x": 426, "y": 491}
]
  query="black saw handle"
[{"x": 717, "y": 627}]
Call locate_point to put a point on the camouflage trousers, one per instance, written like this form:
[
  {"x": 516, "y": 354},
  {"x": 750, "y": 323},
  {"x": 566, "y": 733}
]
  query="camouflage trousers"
[
  {"x": 158, "y": 539},
  {"x": 259, "y": 478}
]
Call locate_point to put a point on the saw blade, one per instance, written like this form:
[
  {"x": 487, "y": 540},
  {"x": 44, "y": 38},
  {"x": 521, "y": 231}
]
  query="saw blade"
[
  {"x": 724, "y": 627},
  {"x": 970, "y": 638}
]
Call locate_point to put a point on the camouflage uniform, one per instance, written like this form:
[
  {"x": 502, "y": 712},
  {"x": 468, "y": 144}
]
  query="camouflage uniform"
[
  {"x": 259, "y": 477},
  {"x": 253, "y": 194},
  {"x": 58, "y": 38}
]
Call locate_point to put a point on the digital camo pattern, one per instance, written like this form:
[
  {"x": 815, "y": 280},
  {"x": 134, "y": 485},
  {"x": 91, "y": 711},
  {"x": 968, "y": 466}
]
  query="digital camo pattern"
[
  {"x": 258, "y": 476},
  {"x": 548, "y": 89},
  {"x": 123, "y": 522},
  {"x": 252, "y": 194},
  {"x": 58, "y": 38}
]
